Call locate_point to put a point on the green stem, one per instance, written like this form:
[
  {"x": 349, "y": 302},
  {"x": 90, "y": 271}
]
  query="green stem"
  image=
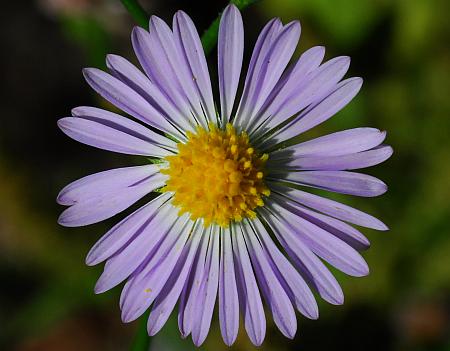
[
  {"x": 209, "y": 37},
  {"x": 137, "y": 12},
  {"x": 141, "y": 341}
]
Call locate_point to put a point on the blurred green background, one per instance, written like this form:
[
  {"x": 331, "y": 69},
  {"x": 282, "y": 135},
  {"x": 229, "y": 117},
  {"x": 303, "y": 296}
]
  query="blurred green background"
[{"x": 401, "y": 50}]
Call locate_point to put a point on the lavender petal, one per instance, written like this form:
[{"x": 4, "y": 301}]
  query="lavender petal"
[
  {"x": 119, "y": 235},
  {"x": 107, "y": 181},
  {"x": 337, "y": 181},
  {"x": 151, "y": 57},
  {"x": 230, "y": 52},
  {"x": 262, "y": 46},
  {"x": 272, "y": 67},
  {"x": 228, "y": 296},
  {"x": 167, "y": 299},
  {"x": 190, "y": 290},
  {"x": 301, "y": 294},
  {"x": 310, "y": 266},
  {"x": 206, "y": 297},
  {"x": 275, "y": 296},
  {"x": 188, "y": 42},
  {"x": 323, "y": 244},
  {"x": 330, "y": 207},
  {"x": 147, "y": 283},
  {"x": 176, "y": 73},
  {"x": 339, "y": 229},
  {"x": 144, "y": 244},
  {"x": 307, "y": 62},
  {"x": 336, "y": 144},
  {"x": 99, "y": 207},
  {"x": 125, "y": 98},
  {"x": 108, "y": 138},
  {"x": 319, "y": 84},
  {"x": 129, "y": 74},
  {"x": 124, "y": 125},
  {"x": 249, "y": 296},
  {"x": 317, "y": 113},
  {"x": 335, "y": 163}
]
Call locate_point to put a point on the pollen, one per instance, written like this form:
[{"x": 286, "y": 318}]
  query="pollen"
[{"x": 217, "y": 175}]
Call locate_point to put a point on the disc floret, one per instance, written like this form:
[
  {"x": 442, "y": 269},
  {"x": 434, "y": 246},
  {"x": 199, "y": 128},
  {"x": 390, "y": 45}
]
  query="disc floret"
[{"x": 217, "y": 175}]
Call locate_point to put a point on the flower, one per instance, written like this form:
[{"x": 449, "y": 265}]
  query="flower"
[{"x": 231, "y": 220}]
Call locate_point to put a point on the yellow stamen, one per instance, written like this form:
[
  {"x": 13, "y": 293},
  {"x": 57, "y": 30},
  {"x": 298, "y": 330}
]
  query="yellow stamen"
[{"x": 217, "y": 175}]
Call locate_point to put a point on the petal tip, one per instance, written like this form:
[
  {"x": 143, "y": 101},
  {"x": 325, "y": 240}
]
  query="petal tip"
[
  {"x": 382, "y": 227},
  {"x": 359, "y": 80},
  {"x": 231, "y": 7},
  {"x": 257, "y": 339},
  {"x": 99, "y": 288},
  {"x": 336, "y": 298},
  {"x": 179, "y": 13},
  {"x": 319, "y": 50},
  {"x": 87, "y": 71},
  {"x": 294, "y": 24},
  {"x": 91, "y": 260},
  {"x": 156, "y": 21},
  {"x": 197, "y": 341},
  {"x": 62, "y": 200},
  {"x": 152, "y": 329},
  {"x": 229, "y": 341},
  {"x": 137, "y": 32},
  {"x": 312, "y": 311},
  {"x": 390, "y": 151},
  {"x": 61, "y": 123},
  {"x": 64, "y": 221},
  {"x": 111, "y": 59},
  {"x": 184, "y": 334},
  {"x": 78, "y": 111},
  {"x": 383, "y": 188},
  {"x": 314, "y": 316},
  {"x": 362, "y": 270},
  {"x": 126, "y": 318},
  {"x": 61, "y": 220},
  {"x": 291, "y": 334},
  {"x": 338, "y": 301}
]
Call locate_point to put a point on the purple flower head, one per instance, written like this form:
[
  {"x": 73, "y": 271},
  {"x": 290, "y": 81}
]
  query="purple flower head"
[{"x": 230, "y": 222}]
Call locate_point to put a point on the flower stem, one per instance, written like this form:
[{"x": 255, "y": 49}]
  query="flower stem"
[
  {"x": 137, "y": 12},
  {"x": 141, "y": 341},
  {"x": 209, "y": 37}
]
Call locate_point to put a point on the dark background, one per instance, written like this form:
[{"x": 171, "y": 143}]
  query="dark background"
[{"x": 398, "y": 47}]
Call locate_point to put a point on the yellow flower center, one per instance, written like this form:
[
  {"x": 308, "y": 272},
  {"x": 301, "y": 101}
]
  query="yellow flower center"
[{"x": 217, "y": 175}]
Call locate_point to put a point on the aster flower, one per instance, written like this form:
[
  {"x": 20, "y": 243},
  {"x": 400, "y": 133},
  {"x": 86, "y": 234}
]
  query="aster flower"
[{"x": 231, "y": 220}]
